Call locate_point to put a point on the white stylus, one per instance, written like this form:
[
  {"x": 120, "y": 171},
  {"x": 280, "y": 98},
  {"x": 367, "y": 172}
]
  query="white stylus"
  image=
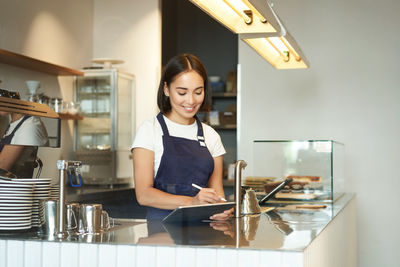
[{"x": 199, "y": 187}]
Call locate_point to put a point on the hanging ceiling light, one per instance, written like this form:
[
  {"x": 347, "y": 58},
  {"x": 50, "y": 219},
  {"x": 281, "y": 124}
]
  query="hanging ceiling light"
[{"x": 258, "y": 25}]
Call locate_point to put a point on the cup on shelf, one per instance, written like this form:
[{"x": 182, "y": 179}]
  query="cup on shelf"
[
  {"x": 71, "y": 107},
  {"x": 57, "y": 104}
]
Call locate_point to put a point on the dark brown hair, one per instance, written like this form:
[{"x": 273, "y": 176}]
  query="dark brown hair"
[{"x": 175, "y": 66}]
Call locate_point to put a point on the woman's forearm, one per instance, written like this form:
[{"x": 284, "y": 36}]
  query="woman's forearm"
[{"x": 158, "y": 199}]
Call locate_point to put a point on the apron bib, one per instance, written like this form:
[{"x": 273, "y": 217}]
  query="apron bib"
[{"x": 183, "y": 162}]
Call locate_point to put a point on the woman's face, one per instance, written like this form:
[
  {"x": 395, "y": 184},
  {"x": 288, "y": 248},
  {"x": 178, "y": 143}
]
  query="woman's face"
[{"x": 186, "y": 94}]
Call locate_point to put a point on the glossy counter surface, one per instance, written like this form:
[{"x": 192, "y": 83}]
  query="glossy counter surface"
[{"x": 279, "y": 229}]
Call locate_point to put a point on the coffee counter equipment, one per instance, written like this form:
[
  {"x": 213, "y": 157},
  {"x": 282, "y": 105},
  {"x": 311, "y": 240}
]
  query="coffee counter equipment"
[
  {"x": 63, "y": 166},
  {"x": 245, "y": 199},
  {"x": 278, "y": 238}
]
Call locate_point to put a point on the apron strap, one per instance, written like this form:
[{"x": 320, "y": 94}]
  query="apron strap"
[
  {"x": 200, "y": 134},
  {"x": 162, "y": 123}
]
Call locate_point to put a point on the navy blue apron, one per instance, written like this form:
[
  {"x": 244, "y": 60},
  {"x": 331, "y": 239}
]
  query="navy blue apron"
[
  {"x": 183, "y": 162},
  {"x": 7, "y": 139}
]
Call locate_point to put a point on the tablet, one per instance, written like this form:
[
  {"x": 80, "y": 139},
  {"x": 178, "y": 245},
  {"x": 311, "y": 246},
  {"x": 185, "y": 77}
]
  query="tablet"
[{"x": 197, "y": 213}]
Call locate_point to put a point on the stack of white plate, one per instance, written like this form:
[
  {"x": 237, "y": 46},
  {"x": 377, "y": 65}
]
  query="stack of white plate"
[
  {"x": 55, "y": 191},
  {"x": 40, "y": 190},
  {"x": 16, "y": 202}
]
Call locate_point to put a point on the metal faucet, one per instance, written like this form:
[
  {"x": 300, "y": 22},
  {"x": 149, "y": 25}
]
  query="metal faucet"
[
  {"x": 240, "y": 164},
  {"x": 63, "y": 166}
]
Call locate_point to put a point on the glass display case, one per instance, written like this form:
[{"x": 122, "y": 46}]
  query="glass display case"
[
  {"x": 104, "y": 136},
  {"x": 316, "y": 167}
]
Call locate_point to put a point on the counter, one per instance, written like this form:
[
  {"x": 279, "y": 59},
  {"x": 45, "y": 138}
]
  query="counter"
[
  {"x": 119, "y": 201},
  {"x": 277, "y": 238}
]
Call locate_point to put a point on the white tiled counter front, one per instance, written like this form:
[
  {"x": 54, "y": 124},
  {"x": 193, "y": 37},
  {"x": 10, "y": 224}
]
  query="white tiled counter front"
[{"x": 330, "y": 244}]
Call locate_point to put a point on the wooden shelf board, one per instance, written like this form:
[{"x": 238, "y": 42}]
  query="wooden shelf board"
[
  {"x": 226, "y": 182},
  {"x": 223, "y": 95},
  {"x": 22, "y": 61},
  {"x": 224, "y": 127},
  {"x": 67, "y": 116}
]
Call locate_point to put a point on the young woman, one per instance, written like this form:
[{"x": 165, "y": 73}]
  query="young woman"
[{"x": 174, "y": 150}]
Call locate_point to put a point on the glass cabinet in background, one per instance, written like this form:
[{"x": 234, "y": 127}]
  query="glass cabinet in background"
[
  {"x": 316, "y": 167},
  {"x": 104, "y": 136}
]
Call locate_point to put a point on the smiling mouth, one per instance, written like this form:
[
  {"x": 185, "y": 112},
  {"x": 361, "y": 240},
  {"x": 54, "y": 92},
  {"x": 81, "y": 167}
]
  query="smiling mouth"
[{"x": 189, "y": 108}]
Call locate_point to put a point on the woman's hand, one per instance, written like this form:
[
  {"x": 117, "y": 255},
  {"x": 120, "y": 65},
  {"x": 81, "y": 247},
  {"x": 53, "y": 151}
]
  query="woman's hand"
[
  {"x": 222, "y": 216},
  {"x": 206, "y": 196}
]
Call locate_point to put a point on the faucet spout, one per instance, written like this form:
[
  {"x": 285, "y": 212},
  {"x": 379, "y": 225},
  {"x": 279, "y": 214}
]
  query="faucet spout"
[{"x": 240, "y": 164}]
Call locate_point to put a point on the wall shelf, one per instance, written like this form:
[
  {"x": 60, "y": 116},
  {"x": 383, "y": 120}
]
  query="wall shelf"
[
  {"x": 30, "y": 63},
  {"x": 67, "y": 116},
  {"x": 224, "y": 95},
  {"x": 226, "y": 182},
  {"x": 224, "y": 127}
]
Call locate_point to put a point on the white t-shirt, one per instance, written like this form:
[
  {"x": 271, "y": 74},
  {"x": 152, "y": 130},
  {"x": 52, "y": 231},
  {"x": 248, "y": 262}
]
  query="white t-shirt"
[
  {"x": 32, "y": 132},
  {"x": 149, "y": 136}
]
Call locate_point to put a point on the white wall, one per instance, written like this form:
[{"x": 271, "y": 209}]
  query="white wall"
[
  {"x": 59, "y": 32},
  {"x": 349, "y": 94},
  {"x": 131, "y": 30}
]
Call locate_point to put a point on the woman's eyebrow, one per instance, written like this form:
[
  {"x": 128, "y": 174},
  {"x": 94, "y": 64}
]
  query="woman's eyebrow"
[{"x": 185, "y": 88}]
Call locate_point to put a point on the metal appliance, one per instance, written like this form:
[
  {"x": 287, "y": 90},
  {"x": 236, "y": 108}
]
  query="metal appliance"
[{"x": 103, "y": 138}]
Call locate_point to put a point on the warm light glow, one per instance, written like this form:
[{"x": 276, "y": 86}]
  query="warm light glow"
[
  {"x": 239, "y": 8},
  {"x": 278, "y": 43},
  {"x": 230, "y": 14},
  {"x": 269, "y": 46},
  {"x": 254, "y": 10},
  {"x": 275, "y": 58},
  {"x": 290, "y": 48},
  {"x": 260, "y": 28},
  {"x": 279, "y": 47}
]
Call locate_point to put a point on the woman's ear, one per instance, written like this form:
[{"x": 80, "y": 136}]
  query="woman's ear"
[{"x": 166, "y": 90}]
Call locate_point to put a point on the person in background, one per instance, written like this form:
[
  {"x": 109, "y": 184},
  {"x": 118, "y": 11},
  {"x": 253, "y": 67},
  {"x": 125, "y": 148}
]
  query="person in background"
[
  {"x": 20, "y": 141},
  {"x": 175, "y": 150}
]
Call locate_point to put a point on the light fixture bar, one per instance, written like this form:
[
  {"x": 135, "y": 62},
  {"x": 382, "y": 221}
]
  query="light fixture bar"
[
  {"x": 255, "y": 11},
  {"x": 282, "y": 62},
  {"x": 231, "y": 17},
  {"x": 290, "y": 48},
  {"x": 238, "y": 16},
  {"x": 245, "y": 13},
  {"x": 284, "y": 56}
]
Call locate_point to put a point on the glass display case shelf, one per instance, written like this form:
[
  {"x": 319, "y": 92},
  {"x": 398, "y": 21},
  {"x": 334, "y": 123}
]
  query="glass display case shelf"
[
  {"x": 93, "y": 94},
  {"x": 96, "y": 115}
]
